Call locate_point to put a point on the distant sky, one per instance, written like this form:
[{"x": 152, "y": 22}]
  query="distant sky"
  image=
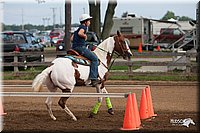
[{"x": 33, "y": 13}]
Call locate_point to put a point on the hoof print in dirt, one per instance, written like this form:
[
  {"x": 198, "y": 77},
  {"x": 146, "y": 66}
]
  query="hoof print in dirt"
[{"x": 91, "y": 115}]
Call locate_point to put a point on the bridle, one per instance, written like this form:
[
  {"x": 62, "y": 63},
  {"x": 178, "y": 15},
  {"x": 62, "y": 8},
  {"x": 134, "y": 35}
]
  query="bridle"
[{"x": 122, "y": 47}]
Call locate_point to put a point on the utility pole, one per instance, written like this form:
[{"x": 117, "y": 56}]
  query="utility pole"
[
  {"x": 67, "y": 24},
  {"x": 44, "y": 22},
  {"x": 54, "y": 16},
  {"x": 48, "y": 21},
  {"x": 60, "y": 17},
  {"x": 1, "y": 17},
  {"x": 22, "y": 19}
]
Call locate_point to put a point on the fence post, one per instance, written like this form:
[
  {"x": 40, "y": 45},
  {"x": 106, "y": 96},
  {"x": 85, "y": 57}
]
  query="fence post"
[
  {"x": 129, "y": 69},
  {"x": 188, "y": 64},
  {"x": 16, "y": 70}
]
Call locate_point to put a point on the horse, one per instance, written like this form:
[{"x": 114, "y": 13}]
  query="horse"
[{"x": 65, "y": 74}]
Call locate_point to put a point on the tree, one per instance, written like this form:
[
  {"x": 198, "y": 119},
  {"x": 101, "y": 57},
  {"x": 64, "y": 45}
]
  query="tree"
[
  {"x": 95, "y": 13},
  {"x": 108, "y": 21},
  {"x": 184, "y": 18},
  {"x": 169, "y": 15}
]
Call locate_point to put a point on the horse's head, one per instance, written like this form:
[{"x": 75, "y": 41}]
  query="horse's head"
[{"x": 122, "y": 46}]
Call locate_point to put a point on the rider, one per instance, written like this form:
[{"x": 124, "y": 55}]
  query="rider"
[{"x": 78, "y": 44}]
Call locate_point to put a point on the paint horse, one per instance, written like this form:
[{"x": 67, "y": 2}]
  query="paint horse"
[{"x": 64, "y": 74}]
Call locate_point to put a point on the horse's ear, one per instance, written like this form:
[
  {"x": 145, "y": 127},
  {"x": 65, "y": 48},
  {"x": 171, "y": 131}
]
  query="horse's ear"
[{"x": 118, "y": 33}]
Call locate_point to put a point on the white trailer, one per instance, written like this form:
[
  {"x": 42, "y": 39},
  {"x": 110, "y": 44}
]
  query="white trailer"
[{"x": 137, "y": 30}]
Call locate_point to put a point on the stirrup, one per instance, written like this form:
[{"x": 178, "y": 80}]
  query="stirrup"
[{"x": 95, "y": 82}]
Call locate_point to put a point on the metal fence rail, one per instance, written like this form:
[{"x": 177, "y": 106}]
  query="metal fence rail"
[{"x": 58, "y": 94}]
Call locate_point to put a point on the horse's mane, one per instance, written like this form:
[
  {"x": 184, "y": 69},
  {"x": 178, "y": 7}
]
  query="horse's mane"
[{"x": 104, "y": 47}]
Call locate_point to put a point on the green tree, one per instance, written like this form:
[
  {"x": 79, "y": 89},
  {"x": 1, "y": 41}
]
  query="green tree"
[
  {"x": 184, "y": 18},
  {"x": 169, "y": 15}
]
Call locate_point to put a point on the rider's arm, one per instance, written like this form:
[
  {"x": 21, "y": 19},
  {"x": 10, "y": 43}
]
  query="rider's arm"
[
  {"x": 82, "y": 34},
  {"x": 72, "y": 37}
]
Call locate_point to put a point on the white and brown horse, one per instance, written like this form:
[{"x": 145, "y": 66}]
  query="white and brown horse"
[{"x": 65, "y": 74}]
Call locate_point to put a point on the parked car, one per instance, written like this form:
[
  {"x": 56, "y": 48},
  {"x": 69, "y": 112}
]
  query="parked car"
[
  {"x": 55, "y": 41},
  {"x": 21, "y": 41},
  {"x": 91, "y": 42},
  {"x": 56, "y": 33},
  {"x": 44, "y": 40},
  {"x": 169, "y": 35}
]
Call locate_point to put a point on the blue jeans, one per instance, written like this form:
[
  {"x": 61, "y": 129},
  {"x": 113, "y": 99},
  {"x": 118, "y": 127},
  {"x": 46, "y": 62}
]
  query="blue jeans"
[{"x": 93, "y": 58}]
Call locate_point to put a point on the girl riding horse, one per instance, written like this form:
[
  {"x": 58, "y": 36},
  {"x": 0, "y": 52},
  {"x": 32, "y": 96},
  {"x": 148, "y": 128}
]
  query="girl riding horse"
[{"x": 63, "y": 74}]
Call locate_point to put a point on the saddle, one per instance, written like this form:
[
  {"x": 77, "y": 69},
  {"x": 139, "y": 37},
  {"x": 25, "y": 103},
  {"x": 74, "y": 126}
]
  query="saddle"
[{"x": 77, "y": 58}]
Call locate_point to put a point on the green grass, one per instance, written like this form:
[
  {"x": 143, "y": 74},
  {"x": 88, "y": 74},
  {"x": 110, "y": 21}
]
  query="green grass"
[
  {"x": 155, "y": 78},
  {"x": 123, "y": 67},
  {"x": 28, "y": 74}
]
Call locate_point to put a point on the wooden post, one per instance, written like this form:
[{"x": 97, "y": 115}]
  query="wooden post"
[
  {"x": 129, "y": 69},
  {"x": 188, "y": 65},
  {"x": 16, "y": 70},
  {"x": 67, "y": 24}
]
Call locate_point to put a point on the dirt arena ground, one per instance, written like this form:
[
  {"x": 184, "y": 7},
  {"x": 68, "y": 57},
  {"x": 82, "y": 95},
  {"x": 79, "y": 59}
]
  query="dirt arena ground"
[{"x": 29, "y": 114}]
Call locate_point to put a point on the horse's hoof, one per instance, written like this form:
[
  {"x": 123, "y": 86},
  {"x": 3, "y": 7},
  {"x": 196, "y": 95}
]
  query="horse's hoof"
[
  {"x": 54, "y": 118},
  {"x": 110, "y": 111},
  {"x": 91, "y": 115},
  {"x": 74, "y": 118}
]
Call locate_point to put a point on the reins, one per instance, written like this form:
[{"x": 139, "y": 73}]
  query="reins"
[
  {"x": 110, "y": 54},
  {"x": 113, "y": 61}
]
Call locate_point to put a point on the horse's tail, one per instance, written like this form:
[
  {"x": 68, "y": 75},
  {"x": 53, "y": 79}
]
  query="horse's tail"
[{"x": 40, "y": 79}]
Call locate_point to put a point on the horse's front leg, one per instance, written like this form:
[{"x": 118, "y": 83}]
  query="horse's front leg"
[
  {"x": 108, "y": 102},
  {"x": 62, "y": 103},
  {"x": 98, "y": 104}
]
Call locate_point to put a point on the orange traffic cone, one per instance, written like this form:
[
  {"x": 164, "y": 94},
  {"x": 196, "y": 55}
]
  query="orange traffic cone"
[
  {"x": 149, "y": 102},
  {"x": 135, "y": 110},
  {"x": 1, "y": 108},
  {"x": 143, "y": 106},
  {"x": 158, "y": 48},
  {"x": 140, "y": 48},
  {"x": 129, "y": 120}
]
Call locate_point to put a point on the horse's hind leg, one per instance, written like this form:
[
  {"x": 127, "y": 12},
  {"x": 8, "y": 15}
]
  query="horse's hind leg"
[
  {"x": 52, "y": 88},
  {"x": 48, "y": 103},
  {"x": 62, "y": 103}
]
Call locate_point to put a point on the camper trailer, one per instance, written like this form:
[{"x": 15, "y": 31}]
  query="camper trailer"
[{"x": 137, "y": 30}]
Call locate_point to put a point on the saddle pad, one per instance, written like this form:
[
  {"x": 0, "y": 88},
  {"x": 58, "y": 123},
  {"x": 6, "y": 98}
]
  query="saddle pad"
[{"x": 78, "y": 60}]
